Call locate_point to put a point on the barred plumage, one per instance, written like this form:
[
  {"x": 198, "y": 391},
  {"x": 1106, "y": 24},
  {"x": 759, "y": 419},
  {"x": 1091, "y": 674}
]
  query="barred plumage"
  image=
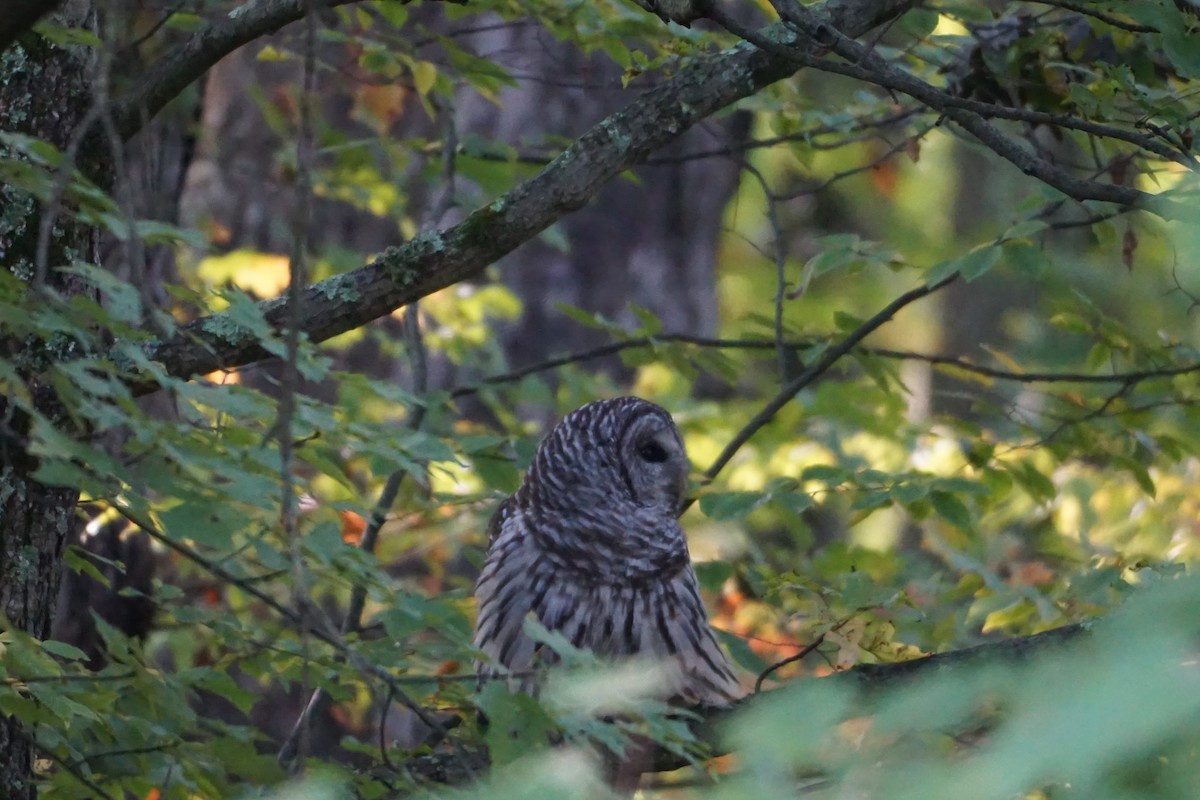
[{"x": 591, "y": 545}]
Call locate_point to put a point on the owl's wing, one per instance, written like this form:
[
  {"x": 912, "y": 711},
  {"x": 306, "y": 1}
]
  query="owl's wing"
[
  {"x": 506, "y": 595},
  {"x": 708, "y": 677}
]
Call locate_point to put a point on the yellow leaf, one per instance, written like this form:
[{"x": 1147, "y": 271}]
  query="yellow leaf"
[
  {"x": 270, "y": 53},
  {"x": 1009, "y": 363},
  {"x": 424, "y": 75}
]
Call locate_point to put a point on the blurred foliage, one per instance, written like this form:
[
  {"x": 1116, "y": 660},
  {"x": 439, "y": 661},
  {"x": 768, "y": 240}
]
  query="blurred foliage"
[{"x": 1014, "y": 506}]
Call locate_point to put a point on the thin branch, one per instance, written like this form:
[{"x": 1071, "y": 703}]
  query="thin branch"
[
  {"x": 901, "y": 146},
  {"x": 89, "y": 677},
  {"x": 1107, "y": 19},
  {"x": 352, "y": 620},
  {"x": 782, "y": 353},
  {"x": 290, "y": 380},
  {"x": 73, "y": 770},
  {"x": 203, "y": 49},
  {"x": 849, "y": 134},
  {"x": 804, "y": 651},
  {"x": 88, "y": 758},
  {"x": 871, "y": 66},
  {"x": 769, "y": 344},
  {"x": 827, "y": 360},
  {"x": 995, "y": 111}
]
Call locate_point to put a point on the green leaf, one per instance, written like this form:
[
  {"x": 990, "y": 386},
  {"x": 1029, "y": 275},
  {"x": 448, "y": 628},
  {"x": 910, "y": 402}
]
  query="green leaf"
[
  {"x": 1034, "y": 482},
  {"x": 728, "y": 505},
  {"x": 63, "y": 650},
  {"x": 498, "y": 472},
  {"x": 713, "y": 574},
  {"x": 517, "y": 724},
  {"x": 739, "y": 648},
  {"x": 978, "y": 262},
  {"x": 1181, "y": 47},
  {"x": 951, "y": 509},
  {"x": 1139, "y": 473},
  {"x": 830, "y": 475}
]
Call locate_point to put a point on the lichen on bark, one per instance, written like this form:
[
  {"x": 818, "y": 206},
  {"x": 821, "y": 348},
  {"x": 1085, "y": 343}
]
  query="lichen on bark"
[{"x": 45, "y": 92}]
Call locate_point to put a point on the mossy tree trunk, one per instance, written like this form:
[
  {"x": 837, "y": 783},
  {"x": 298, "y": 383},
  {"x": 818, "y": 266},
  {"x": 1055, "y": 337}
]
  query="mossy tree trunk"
[{"x": 44, "y": 93}]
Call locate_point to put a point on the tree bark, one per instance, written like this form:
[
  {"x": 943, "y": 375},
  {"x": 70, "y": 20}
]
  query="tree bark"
[{"x": 45, "y": 93}]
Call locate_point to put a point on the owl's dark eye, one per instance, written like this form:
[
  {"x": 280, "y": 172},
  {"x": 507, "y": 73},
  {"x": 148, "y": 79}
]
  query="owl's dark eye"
[{"x": 652, "y": 452}]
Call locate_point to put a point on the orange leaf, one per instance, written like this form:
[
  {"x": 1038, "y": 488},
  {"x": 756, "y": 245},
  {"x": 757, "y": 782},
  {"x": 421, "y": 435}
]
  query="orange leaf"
[
  {"x": 884, "y": 178},
  {"x": 1033, "y": 573},
  {"x": 353, "y": 526}
]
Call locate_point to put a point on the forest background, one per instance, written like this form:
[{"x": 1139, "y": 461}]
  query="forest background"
[{"x": 296, "y": 288}]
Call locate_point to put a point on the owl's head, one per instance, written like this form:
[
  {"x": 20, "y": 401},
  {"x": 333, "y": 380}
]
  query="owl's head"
[{"x": 620, "y": 450}]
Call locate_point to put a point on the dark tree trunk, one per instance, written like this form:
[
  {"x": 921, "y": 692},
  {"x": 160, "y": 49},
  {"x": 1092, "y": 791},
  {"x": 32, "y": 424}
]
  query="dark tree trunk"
[
  {"x": 44, "y": 94},
  {"x": 650, "y": 242}
]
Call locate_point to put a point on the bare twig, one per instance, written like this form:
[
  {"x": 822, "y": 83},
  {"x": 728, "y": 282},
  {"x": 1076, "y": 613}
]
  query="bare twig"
[
  {"x": 804, "y": 651},
  {"x": 769, "y": 344},
  {"x": 297, "y": 281},
  {"x": 827, "y": 360},
  {"x": 1107, "y": 19},
  {"x": 783, "y": 356},
  {"x": 877, "y": 161},
  {"x": 419, "y": 360}
]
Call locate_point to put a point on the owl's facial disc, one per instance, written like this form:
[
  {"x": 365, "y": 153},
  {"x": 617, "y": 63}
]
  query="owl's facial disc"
[{"x": 655, "y": 463}]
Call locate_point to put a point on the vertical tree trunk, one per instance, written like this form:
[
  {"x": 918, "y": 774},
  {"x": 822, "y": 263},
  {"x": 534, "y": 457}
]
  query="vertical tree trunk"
[{"x": 44, "y": 94}]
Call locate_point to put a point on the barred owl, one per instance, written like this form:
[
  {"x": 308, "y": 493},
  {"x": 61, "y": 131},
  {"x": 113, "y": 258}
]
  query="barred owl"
[{"x": 591, "y": 545}]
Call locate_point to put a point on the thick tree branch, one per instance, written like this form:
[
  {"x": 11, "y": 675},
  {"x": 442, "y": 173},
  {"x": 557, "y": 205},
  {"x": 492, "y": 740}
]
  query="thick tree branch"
[
  {"x": 434, "y": 261},
  {"x": 20, "y": 15}
]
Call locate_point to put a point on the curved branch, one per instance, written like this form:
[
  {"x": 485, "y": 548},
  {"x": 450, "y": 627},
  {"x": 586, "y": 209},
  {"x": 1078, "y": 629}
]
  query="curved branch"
[{"x": 434, "y": 261}]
